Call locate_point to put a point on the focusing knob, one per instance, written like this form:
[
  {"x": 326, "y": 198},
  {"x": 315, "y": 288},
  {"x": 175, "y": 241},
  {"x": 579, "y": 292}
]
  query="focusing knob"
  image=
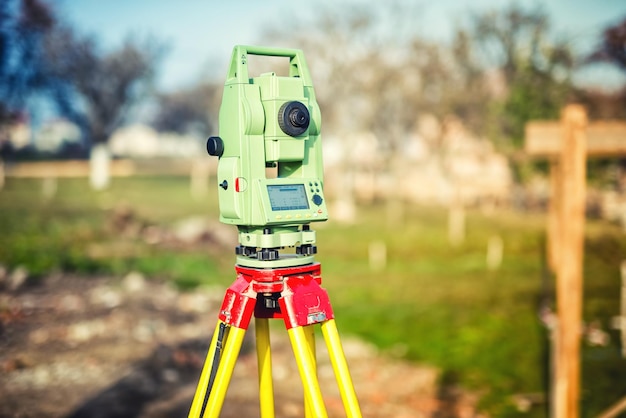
[
  {"x": 317, "y": 199},
  {"x": 215, "y": 146},
  {"x": 293, "y": 118}
]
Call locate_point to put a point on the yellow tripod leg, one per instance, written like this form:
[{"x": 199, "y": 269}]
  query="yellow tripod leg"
[
  {"x": 203, "y": 383},
  {"x": 309, "y": 333},
  {"x": 340, "y": 366},
  {"x": 234, "y": 340},
  {"x": 264, "y": 362},
  {"x": 306, "y": 366}
]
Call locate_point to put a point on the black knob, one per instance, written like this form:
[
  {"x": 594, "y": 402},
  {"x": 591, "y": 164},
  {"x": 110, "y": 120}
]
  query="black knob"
[
  {"x": 293, "y": 118},
  {"x": 224, "y": 185},
  {"x": 268, "y": 254},
  {"x": 215, "y": 146},
  {"x": 306, "y": 249}
]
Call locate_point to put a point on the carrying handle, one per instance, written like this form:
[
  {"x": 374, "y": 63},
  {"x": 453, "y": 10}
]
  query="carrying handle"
[{"x": 239, "y": 62}]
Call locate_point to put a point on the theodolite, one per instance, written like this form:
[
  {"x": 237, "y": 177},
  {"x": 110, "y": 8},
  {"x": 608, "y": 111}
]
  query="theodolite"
[
  {"x": 270, "y": 185},
  {"x": 270, "y": 170}
]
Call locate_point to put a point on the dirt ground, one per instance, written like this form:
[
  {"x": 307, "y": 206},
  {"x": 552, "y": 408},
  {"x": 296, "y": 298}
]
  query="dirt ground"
[{"x": 130, "y": 347}]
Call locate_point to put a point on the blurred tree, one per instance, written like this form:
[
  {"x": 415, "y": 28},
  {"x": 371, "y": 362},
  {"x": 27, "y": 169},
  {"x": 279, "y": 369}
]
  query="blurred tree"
[
  {"x": 98, "y": 87},
  {"x": 474, "y": 87},
  {"x": 188, "y": 111},
  {"x": 612, "y": 49},
  {"x": 374, "y": 71},
  {"x": 23, "y": 26},
  {"x": 613, "y": 46},
  {"x": 40, "y": 56},
  {"x": 500, "y": 70},
  {"x": 371, "y": 78},
  {"x": 511, "y": 47},
  {"x": 609, "y": 105}
]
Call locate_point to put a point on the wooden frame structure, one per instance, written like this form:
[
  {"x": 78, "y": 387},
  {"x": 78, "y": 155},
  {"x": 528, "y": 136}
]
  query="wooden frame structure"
[{"x": 567, "y": 144}]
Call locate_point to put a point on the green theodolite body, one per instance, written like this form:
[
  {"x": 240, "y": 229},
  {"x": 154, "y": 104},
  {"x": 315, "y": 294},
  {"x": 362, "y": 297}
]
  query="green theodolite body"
[{"x": 270, "y": 121}]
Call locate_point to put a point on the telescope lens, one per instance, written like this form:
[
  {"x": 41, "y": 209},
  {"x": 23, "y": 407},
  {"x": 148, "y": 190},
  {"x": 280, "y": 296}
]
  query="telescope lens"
[
  {"x": 298, "y": 118},
  {"x": 293, "y": 118}
]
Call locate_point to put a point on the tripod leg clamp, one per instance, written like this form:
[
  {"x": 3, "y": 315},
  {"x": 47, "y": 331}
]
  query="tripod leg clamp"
[
  {"x": 304, "y": 302},
  {"x": 238, "y": 304}
]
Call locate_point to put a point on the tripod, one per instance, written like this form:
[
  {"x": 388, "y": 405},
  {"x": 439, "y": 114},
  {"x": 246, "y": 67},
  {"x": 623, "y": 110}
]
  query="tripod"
[{"x": 295, "y": 295}]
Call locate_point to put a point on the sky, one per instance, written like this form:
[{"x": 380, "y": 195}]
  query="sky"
[{"x": 200, "y": 34}]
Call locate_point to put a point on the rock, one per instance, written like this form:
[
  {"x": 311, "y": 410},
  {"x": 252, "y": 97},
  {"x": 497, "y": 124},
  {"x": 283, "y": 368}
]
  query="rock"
[
  {"x": 154, "y": 235},
  {"x": 134, "y": 282},
  {"x": 165, "y": 298},
  {"x": 39, "y": 336},
  {"x": 85, "y": 330},
  {"x": 122, "y": 218},
  {"x": 199, "y": 229},
  {"x": 105, "y": 296},
  {"x": 17, "y": 278},
  {"x": 193, "y": 302},
  {"x": 191, "y": 230},
  {"x": 223, "y": 235},
  {"x": 71, "y": 303}
]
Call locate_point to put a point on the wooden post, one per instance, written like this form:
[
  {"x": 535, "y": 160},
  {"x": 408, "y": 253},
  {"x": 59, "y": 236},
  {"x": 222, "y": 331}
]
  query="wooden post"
[
  {"x": 554, "y": 214},
  {"x": 604, "y": 139},
  {"x": 568, "y": 144},
  {"x": 622, "y": 323},
  {"x": 377, "y": 256},
  {"x": 570, "y": 260},
  {"x": 495, "y": 247},
  {"x": 199, "y": 178},
  {"x": 456, "y": 219}
]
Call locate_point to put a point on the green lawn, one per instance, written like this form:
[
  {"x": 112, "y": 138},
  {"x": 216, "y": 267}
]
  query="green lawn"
[{"x": 432, "y": 303}]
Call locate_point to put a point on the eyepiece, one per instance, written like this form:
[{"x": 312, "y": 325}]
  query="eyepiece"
[{"x": 293, "y": 118}]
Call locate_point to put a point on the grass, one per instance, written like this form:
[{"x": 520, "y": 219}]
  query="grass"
[{"x": 432, "y": 303}]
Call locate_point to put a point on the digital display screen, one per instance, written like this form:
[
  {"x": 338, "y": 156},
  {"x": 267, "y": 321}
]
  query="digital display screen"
[{"x": 287, "y": 197}]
